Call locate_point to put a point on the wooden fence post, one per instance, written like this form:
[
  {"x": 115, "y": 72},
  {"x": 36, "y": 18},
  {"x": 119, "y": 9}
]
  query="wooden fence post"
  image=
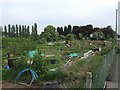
[{"x": 89, "y": 80}]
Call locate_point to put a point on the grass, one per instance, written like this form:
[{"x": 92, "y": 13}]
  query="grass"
[
  {"x": 77, "y": 71},
  {"x": 0, "y": 74},
  {"x": 56, "y": 75}
]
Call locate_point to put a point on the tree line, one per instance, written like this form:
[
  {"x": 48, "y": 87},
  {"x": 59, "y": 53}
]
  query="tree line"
[
  {"x": 51, "y": 33},
  {"x": 19, "y": 30},
  {"x": 85, "y": 31}
]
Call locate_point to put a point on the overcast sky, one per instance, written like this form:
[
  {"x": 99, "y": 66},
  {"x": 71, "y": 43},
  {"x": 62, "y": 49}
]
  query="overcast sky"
[{"x": 58, "y": 12}]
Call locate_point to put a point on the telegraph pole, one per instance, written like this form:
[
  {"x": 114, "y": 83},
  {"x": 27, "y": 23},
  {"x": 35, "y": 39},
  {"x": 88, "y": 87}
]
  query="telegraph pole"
[
  {"x": 116, "y": 25},
  {"x": 116, "y": 21}
]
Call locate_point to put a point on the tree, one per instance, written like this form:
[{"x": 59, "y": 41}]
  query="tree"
[
  {"x": 1, "y": 29},
  {"x": 65, "y": 30},
  {"x": 108, "y": 32},
  {"x": 35, "y": 27},
  {"x": 23, "y": 31},
  {"x": 34, "y": 30},
  {"x": 75, "y": 30},
  {"x": 9, "y": 30},
  {"x": 5, "y": 31},
  {"x": 50, "y": 33},
  {"x": 109, "y": 27},
  {"x": 20, "y": 31},
  {"x": 16, "y": 30},
  {"x": 69, "y": 29},
  {"x": 28, "y": 31},
  {"x": 70, "y": 37},
  {"x": 13, "y": 31},
  {"x": 60, "y": 30},
  {"x": 33, "y": 33}
]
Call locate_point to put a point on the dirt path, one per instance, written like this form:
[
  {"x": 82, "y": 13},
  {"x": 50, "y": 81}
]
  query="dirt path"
[{"x": 7, "y": 84}]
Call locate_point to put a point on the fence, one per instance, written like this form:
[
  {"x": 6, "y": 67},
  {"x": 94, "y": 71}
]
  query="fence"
[{"x": 100, "y": 75}]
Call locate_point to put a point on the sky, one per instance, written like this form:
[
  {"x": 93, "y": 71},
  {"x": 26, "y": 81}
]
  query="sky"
[{"x": 99, "y": 13}]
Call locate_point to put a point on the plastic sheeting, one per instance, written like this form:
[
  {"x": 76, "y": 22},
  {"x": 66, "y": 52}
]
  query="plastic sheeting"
[
  {"x": 31, "y": 54},
  {"x": 73, "y": 54}
]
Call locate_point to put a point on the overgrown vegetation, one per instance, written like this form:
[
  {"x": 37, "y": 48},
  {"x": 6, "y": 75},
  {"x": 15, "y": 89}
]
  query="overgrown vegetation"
[{"x": 53, "y": 50}]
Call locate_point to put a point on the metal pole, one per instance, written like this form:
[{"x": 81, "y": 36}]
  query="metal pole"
[
  {"x": 116, "y": 25},
  {"x": 116, "y": 21}
]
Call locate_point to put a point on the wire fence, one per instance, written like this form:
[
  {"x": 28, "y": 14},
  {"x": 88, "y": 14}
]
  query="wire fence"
[{"x": 99, "y": 77}]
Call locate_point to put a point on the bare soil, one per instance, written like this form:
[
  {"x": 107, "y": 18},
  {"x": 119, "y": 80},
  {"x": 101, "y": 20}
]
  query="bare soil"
[{"x": 7, "y": 84}]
